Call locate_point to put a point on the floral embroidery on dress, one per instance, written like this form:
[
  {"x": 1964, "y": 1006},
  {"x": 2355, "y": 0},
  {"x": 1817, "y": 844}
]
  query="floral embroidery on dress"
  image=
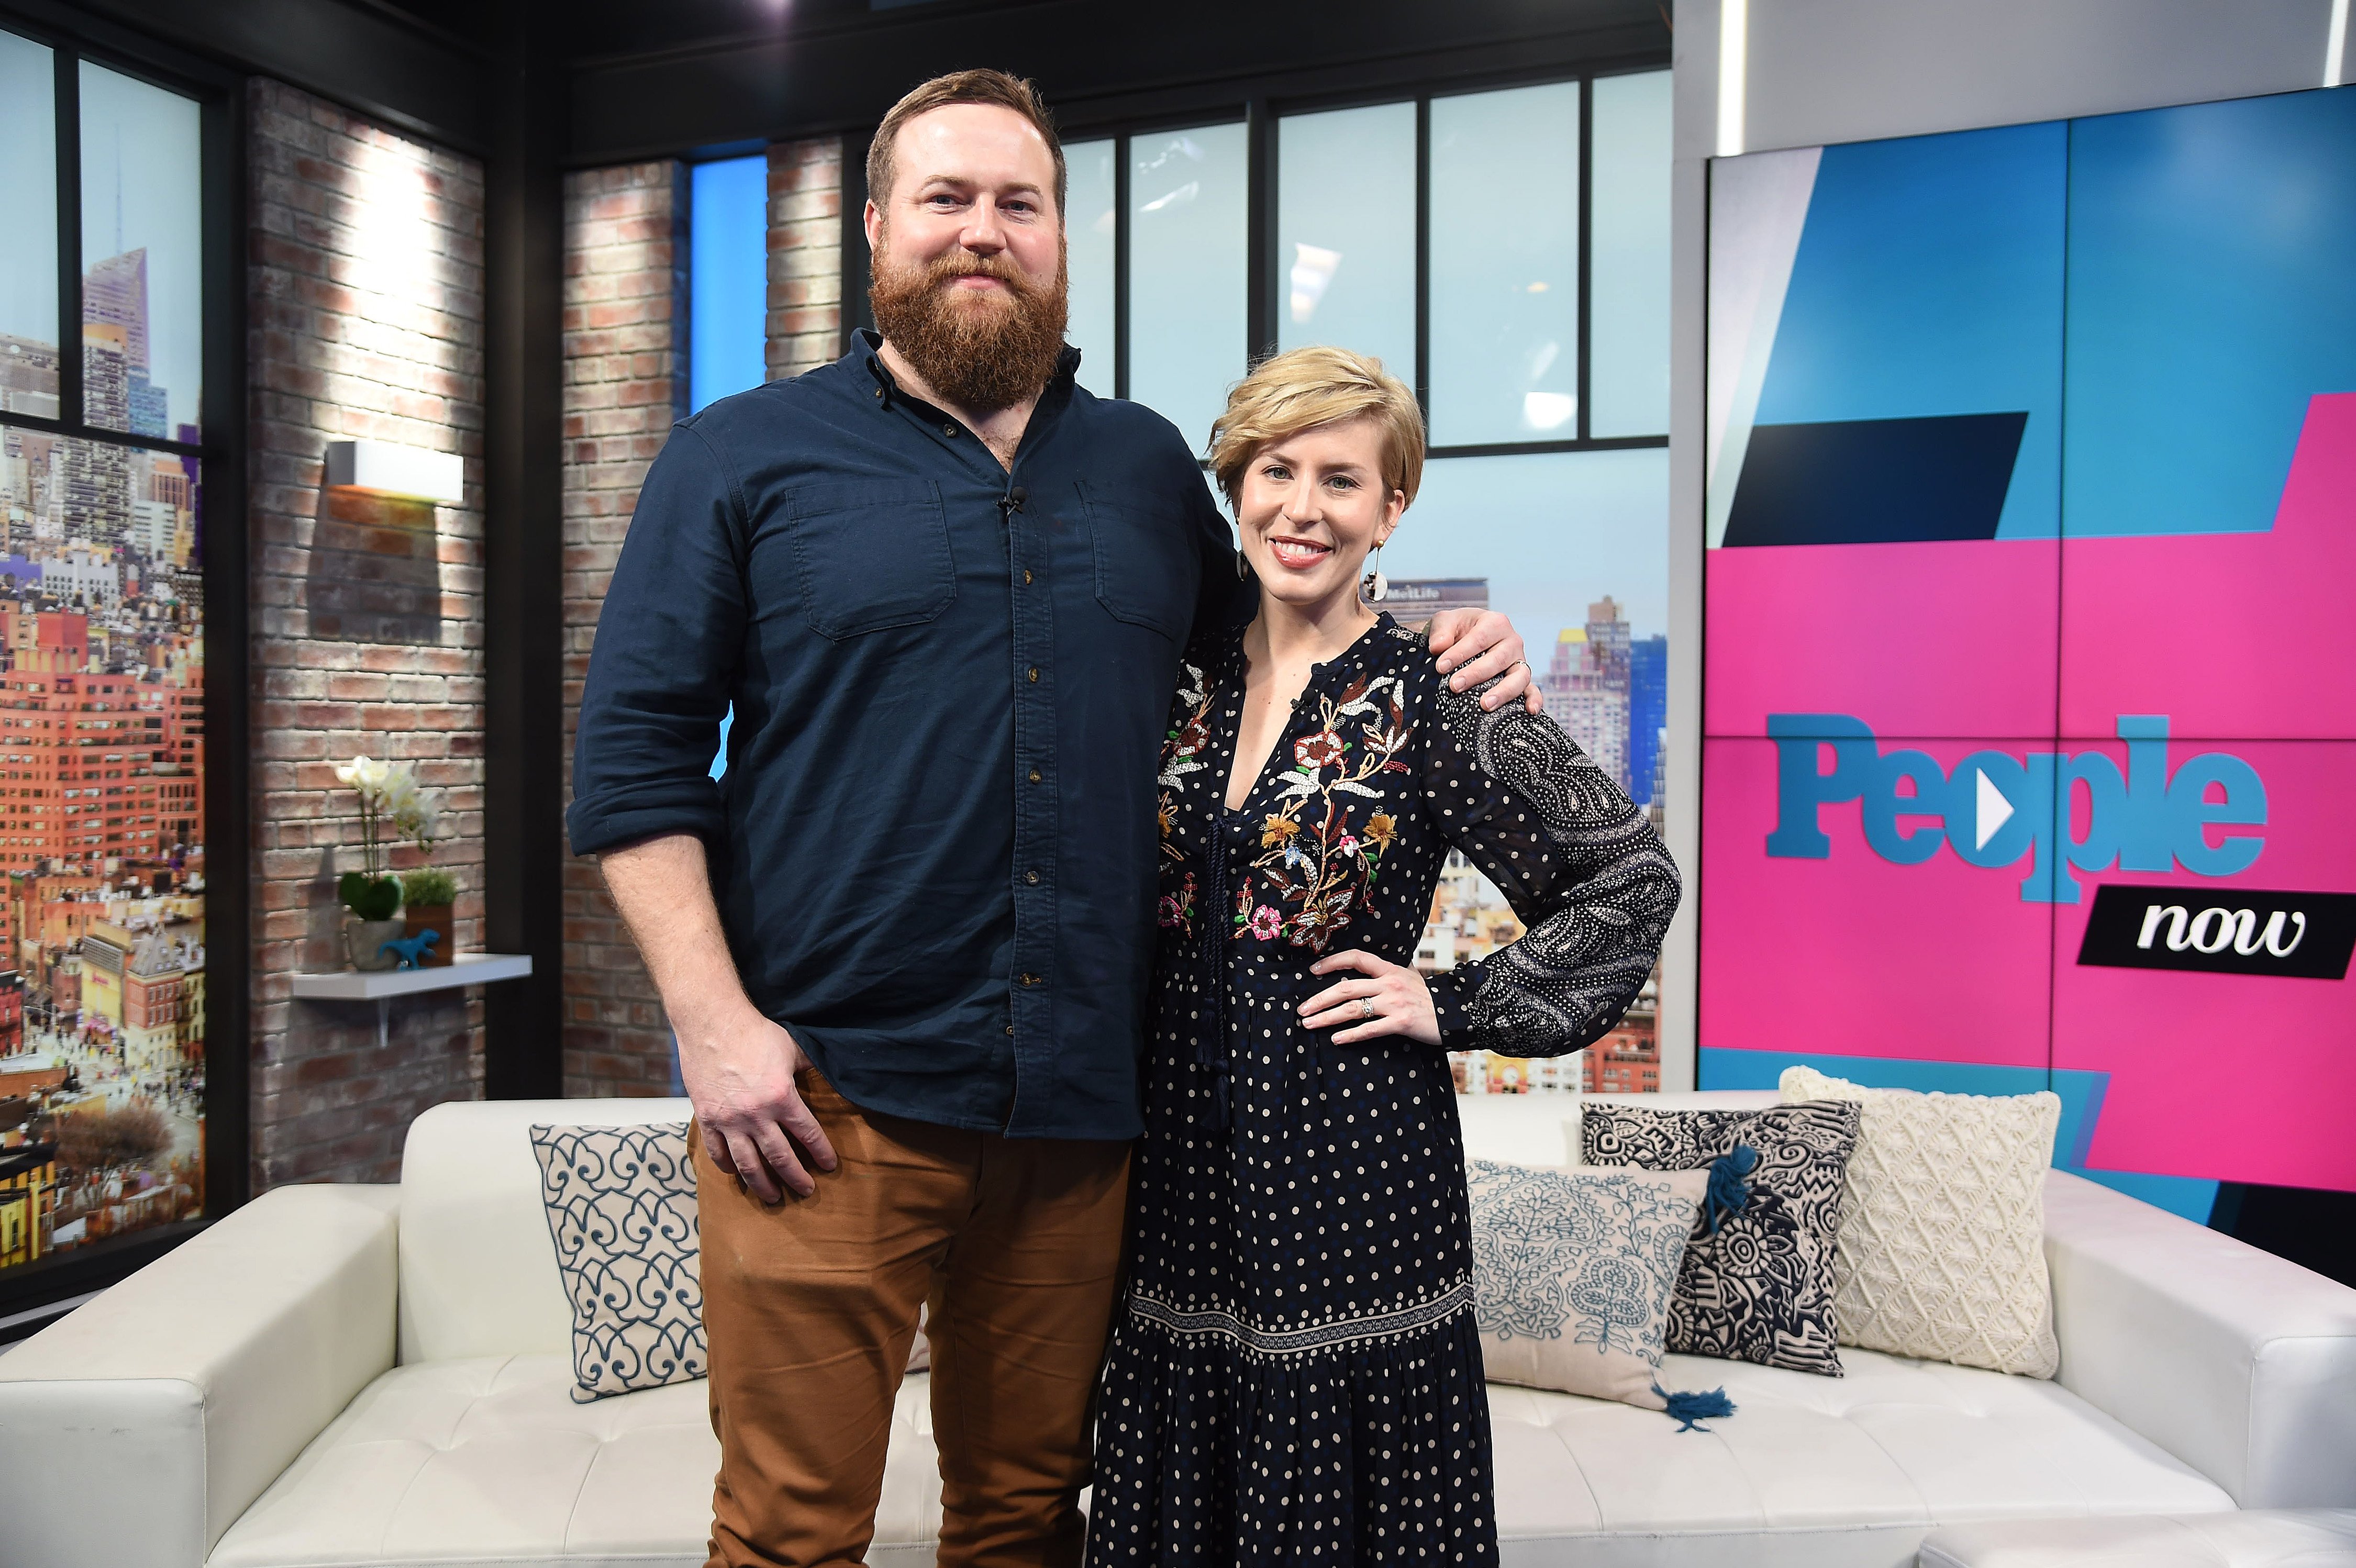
[
  {"x": 1316, "y": 857},
  {"x": 1177, "y": 909},
  {"x": 1181, "y": 754},
  {"x": 1188, "y": 739}
]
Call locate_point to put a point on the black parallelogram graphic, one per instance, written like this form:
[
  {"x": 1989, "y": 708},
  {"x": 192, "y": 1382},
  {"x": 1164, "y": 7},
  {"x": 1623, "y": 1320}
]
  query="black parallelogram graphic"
[{"x": 1875, "y": 481}]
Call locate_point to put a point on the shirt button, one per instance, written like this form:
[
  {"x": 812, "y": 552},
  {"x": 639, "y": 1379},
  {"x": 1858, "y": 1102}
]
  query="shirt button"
[
  {"x": 1026, "y": 576},
  {"x": 949, "y": 430},
  {"x": 1031, "y": 876},
  {"x": 1034, "y": 672},
  {"x": 1034, "y": 776}
]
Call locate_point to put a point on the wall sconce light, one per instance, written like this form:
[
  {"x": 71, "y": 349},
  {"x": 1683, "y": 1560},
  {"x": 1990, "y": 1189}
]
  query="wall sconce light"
[{"x": 410, "y": 473}]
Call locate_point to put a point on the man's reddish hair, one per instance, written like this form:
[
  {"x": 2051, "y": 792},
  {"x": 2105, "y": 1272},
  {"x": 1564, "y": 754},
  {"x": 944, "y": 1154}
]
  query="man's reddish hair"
[{"x": 993, "y": 87}]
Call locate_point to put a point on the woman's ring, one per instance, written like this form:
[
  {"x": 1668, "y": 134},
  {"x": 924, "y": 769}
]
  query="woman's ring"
[{"x": 1366, "y": 1008}]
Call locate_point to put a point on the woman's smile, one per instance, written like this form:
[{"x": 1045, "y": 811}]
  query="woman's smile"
[{"x": 1300, "y": 554}]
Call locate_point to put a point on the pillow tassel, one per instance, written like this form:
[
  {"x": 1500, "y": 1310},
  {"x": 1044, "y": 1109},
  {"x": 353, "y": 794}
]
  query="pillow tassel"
[
  {"x": 1689, "y": 1409},
  {"x": 1729, "y": 1183}
]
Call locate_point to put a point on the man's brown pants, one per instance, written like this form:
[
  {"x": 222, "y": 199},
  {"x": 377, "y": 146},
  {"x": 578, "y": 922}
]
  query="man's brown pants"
[{"x": 810, "y": 1306}]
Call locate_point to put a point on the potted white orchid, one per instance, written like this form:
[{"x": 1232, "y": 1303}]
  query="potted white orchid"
[{"x": 390, "y": 799}]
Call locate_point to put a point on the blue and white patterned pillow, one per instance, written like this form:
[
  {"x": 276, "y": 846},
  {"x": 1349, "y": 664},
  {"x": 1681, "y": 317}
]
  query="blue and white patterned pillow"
[
  {"x": 1573, "y": 1272},
  {"x": 621, "y": 1208}
]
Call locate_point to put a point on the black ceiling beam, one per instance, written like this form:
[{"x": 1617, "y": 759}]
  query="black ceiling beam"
[
  {"x": 1099, "y": 64},
  {"x": 368, "y": 58}
]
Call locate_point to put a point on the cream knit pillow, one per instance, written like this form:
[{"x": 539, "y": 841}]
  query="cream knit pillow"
[{"x": 1942, "y": 1252}]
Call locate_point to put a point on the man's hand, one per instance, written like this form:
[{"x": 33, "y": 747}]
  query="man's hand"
[
  {"x": 740, "y": 1076},
  {"x": 1478, "y": 644},
  {"x": 739, "y": 1067}
]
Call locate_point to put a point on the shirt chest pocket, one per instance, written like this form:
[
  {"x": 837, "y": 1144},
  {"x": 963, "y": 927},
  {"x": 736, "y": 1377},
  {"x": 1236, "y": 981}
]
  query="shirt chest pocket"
[
  {"x": 1146, "y": 570},
  {"x": 870, "y": 554}
]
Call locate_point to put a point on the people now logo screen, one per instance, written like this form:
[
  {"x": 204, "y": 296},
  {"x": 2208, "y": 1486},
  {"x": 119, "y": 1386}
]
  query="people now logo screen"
[{"x": 2028, "y": 733}]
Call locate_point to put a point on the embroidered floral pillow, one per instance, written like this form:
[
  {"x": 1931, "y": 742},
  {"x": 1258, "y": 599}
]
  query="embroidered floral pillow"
[
  {"x": 1572, "y": 1274},
  {"x": 1759, "y": 1287},
  {"x": 621, "y": 1208}
]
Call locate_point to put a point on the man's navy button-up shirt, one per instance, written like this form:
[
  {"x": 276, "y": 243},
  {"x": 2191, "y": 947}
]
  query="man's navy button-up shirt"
[{"x": 934, "y": 846}]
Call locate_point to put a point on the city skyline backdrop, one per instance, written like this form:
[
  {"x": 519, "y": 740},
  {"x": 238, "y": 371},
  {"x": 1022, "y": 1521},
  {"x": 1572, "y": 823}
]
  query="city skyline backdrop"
[{"x": 103, "y": 958}]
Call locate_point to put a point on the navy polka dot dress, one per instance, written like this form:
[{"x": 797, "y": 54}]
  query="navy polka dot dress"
[{"x": 1295, "y": 1376}]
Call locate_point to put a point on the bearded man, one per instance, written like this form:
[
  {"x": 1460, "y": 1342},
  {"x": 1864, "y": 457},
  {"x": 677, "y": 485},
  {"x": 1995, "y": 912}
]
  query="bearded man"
[{"x": 904, "y": 942}]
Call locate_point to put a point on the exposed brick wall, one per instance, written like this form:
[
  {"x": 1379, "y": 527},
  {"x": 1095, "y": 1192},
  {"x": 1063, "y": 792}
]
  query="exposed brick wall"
[
  {"x": 624, "y": 382},
  {"x": 805, "y": 323},
  {"x": 366, "y": 309}
]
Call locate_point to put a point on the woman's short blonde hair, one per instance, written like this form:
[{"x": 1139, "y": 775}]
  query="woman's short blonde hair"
[{"x": 1308, "y": 388}]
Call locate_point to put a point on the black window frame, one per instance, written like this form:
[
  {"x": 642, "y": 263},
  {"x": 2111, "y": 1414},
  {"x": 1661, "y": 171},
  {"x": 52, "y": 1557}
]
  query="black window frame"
[
  {"x": 28, "y": 1290},
  {"x": 1260, "y": 117}
]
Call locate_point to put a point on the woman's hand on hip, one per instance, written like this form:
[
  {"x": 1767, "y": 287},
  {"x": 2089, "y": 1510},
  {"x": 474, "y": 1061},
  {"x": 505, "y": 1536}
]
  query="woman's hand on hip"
[{"x": 1382, "y": 998}]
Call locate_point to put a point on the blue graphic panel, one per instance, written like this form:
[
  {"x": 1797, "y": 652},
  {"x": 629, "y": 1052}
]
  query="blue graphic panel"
[
  {"x": 1929, "y": 281},
  {"x": 728, "y": 276},
  {"x": 2209, "y": 300}
]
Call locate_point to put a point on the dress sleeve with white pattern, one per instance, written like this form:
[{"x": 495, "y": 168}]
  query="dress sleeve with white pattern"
[{"x": 1576, "y": 858}]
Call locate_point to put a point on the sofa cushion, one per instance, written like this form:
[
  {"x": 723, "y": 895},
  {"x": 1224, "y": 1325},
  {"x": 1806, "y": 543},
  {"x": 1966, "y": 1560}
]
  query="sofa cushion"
[
  {"x": 1756, "y": 1285},
  {"x": 1820, "y": 1472},
  {"x": 1571, "y": 1274},
  {"x": 621, "y": 1210},
  {"x": 2287, "y": 1538},
  {"x": 1942, "y": 1249},
  {"x": 489, "y": 1460}
]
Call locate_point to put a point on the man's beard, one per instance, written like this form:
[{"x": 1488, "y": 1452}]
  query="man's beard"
[{"x": 985, "y": 351}]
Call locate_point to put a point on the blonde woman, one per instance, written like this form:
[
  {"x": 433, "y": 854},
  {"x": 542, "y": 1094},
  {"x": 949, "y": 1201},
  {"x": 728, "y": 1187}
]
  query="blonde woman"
[{"x": 1295, "y": 1377}]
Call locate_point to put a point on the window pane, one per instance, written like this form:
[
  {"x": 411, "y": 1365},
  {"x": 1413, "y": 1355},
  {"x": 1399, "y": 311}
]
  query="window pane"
[
  {"x": 1574, "y": 547},
  {"x": 1505, "y": 265},
  {"x": 28, "y": 261},
  {"x": 1187, "y": 264},
  {"x": 1549, "y": 538},
  {"x": 1346, "y": 232},
  {"x": 143, "y": 269},
  {"x": 728, "y": 278},
  {"x": 1088, "y": 220},
  {"x": 1628, "y": 364},
  {"x": 101, "y": 834}
]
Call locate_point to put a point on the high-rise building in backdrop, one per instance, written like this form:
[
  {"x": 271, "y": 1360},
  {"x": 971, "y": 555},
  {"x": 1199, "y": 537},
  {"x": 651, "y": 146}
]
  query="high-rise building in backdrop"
[
  {"x": 115, "y": 293},
  {"x": 1587, "y": 687},
  {"x": 1648, "y": 713}
]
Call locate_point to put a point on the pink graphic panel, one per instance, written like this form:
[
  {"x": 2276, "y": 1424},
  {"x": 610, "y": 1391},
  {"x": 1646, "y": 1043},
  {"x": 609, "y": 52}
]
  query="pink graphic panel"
[
  {"x": 1853, "y": 955},
  {"x": 1955, "y": 638},
  {"x": 2228, "y": 634},
  {"x": 2233, "y": 1076}
]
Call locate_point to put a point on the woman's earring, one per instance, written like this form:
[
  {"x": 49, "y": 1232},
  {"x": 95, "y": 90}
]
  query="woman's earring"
[{"x": 1377, "y": 586}]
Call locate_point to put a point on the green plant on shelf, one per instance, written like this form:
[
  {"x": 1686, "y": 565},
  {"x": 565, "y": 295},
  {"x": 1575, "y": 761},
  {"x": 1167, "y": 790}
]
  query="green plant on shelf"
[{"x": 427, "y": 887}]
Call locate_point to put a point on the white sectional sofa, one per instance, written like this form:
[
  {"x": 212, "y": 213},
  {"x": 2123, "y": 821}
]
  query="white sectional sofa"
[{"x": 346, "y": 1376}]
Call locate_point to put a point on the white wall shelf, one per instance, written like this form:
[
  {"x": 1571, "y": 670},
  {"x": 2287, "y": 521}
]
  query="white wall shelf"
[
  {"x": 467, "y": 968},
  {"x": 380, "y": 986}
]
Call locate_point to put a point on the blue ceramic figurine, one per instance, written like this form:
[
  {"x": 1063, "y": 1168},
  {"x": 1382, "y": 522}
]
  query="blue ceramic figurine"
[{"x": 412, "y": 951}]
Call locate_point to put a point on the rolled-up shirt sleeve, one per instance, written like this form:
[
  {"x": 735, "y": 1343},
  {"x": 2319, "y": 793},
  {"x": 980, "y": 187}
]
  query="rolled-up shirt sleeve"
[{"x": 667, "y": 644}]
